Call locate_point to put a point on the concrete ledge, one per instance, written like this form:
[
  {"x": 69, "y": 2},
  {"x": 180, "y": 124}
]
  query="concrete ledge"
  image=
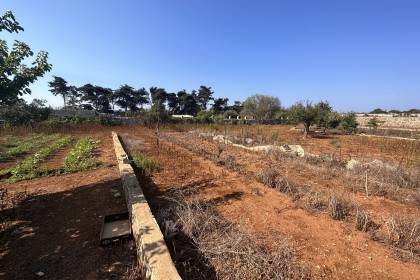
[{"x": 152, "y": 253}]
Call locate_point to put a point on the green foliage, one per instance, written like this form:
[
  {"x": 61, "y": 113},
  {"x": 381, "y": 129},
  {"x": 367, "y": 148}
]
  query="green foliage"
[
  {"x": 22, "y": 113},
  {"x": 26, "y": 145},
  {"x": 187, "y": 103},
  {"x": 205, "y": 94},
  {"x": 348, "y": 123},
  {"x": 333, "y": 120},
  {"x": 204, "y": 117},
  {"x": 230, "y": 113},
  {"x": 58, "y": 86},
  {"x": 146, "y": 165},
  {"x": 261, "y": 107},
  {"x": 81, "y": 157},
  {"x": 98, "y": 96},
  {"x": 220, "y": 105},
  {"x": 309, "y": 113},
  {"x": 373, "y": 123},
  {"x": 29, "y": 167},
  {"x": 9, "y": 23},
  {"x": 15, "y": 76},
  {"x": 159, "y": 97}
]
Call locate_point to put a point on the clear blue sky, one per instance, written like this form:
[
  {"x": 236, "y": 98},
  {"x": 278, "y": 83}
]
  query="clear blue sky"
[{"x": 359, "y": 55}]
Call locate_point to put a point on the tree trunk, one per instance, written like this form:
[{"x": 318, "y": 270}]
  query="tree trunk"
[{"x": 305, "y": 130}]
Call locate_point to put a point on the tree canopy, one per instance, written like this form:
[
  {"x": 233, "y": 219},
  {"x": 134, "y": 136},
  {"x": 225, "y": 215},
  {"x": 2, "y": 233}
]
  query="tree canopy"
[
  {"x": 15, "y": 75},
  {"x": 308, "y": 113},
  {"x": 58, "y": 86},
  {"x": 262, "y": 107}
]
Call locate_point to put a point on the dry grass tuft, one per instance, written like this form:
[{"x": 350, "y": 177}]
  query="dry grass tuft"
[
  {"x": 338, "y": 207},
  {"x": 209, "y": 247},
  {"x": 267, "y": 177},
  {"x": 363, "y": 220}
]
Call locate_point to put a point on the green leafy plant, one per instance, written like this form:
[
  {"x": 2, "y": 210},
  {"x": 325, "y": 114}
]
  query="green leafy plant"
[
  {"x": 81, "y": 156},
  {"x": 29, "y": 167},
  {"x": 146, "y": 165},
  {"x": 26, "y": 145}
]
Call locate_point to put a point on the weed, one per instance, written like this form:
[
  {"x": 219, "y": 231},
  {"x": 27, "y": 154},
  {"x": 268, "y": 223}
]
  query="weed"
[
  {"x": 81, "y": 156},
  {"x": 146, "y": 165}
]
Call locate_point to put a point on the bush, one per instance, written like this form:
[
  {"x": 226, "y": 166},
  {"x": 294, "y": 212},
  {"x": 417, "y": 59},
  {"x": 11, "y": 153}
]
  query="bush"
[
  {"x": 338, "y": 208},
  {"x": 348, "y": 123},
  {"x": 204, "y": 117},
  {"x": 23, "y": 114},
  {"x": 404, "y": 232}
]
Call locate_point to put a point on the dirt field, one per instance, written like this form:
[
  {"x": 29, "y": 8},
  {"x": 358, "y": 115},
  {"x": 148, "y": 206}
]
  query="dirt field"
[
  {"x": 60, "y": 216},
  {"x": 331, "y": 249},
  {"x": 53, "y": 224}
]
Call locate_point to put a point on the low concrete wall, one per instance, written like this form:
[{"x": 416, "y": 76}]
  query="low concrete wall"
[{"x": 152, "y": 253}]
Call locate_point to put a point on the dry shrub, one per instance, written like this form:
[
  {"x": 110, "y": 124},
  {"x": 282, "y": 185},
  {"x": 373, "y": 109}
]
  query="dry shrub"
[
  {"x": 267, "y": 177},
  {"x": 382, "y": 179},
  {"x": 363, "y": 220},
  {"x": 312, "y": 200},
  {"x": 338, "y": 207},
  {"x": 286, "y": 186},
  {"x": 404, "y": 232},
  {"x": 213, "y": 248},
  {"x": 231, "y": 164}
]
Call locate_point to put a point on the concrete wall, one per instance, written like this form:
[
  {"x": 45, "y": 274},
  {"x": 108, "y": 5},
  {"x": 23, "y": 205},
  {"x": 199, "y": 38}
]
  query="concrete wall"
[{"x": 152, "y": 252}]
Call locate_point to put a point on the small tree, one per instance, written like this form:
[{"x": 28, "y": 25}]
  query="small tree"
[
  {"x": 373, "y": 123},
  {"x": 348, "y": 123},
  {"x": 308, "y": 114},
  {"x": 261, "y": 107},
  {"x": 333, "y": 120}
]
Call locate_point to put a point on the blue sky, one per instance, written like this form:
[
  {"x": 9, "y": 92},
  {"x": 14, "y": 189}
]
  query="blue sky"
[{"x": 359, "y": 55}]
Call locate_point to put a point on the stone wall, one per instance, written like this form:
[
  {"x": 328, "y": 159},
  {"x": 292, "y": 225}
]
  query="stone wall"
[
  {"x": 391, "y": 121},
  {"x": 152, "y": 253}
]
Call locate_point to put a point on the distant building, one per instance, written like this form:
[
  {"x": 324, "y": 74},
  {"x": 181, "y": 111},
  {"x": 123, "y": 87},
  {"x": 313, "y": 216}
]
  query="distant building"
[
  {"x": 182, "y": 116},
  {"x": 69, "y": 112}
]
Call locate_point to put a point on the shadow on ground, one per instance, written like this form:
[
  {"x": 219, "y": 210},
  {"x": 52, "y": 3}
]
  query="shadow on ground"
[{"x": 57, "y": 234}]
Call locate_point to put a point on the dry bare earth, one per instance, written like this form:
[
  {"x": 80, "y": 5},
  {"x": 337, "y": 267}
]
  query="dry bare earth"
[
  {"x": 331, "y": 249},
  {"x": 51, "y": 225}
]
